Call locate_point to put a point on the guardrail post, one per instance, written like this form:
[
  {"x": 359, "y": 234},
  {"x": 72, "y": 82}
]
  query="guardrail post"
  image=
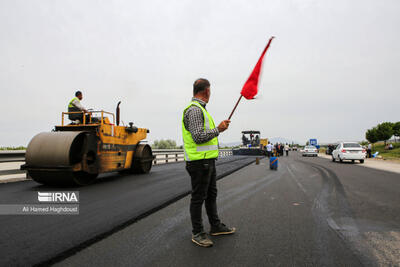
[{"x": 166, "y": 158}]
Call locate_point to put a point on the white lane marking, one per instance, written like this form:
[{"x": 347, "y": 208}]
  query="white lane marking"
[
  {"x": 332, "y": 224},
  {"x": 296, "y": 180}
]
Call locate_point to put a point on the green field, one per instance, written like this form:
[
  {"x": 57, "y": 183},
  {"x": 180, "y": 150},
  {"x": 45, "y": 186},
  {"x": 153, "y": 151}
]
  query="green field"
[
  {"x": 12, "y": 148},
  {"x": 387, "y": 154}
]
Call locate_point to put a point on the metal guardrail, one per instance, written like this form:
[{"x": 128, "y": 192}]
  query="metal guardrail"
[
  {"x": 176, "y": 155},
  {"x": 162, "y": 155},
  {"x": 12, "y": 155}
]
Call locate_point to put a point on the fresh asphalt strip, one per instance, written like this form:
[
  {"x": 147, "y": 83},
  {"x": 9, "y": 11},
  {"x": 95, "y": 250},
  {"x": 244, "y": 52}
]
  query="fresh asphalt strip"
[
  {"x": 108, "y": 206},
  {"x": 89, "y": 242}
]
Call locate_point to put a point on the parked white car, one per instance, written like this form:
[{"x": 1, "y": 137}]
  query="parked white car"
[
  {"x": 309, "y": 151},
  {"x": 348, "y": 151}
]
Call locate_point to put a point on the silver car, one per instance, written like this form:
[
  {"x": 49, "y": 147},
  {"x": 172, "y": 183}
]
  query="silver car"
[{"x": 309, "y": 151}]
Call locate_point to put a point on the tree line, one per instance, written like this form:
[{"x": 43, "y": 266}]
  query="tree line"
[
  {"x": 164, "y": 144},
  {"x": 383, "y": 132}
]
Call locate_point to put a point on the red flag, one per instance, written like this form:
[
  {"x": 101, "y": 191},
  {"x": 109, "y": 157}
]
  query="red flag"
[{"x": 250, "y": 88}]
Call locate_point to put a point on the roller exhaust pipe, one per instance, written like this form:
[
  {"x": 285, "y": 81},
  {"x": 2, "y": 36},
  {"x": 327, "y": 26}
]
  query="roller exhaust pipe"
[{"x": 117, "y": 113}]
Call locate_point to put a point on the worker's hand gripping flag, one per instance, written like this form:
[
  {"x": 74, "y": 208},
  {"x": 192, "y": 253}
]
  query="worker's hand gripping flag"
[{"x": 250, "y": 88}]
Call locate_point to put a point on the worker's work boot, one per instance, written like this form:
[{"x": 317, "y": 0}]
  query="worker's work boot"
[
  {"x": 202, "y": 239},
  {"x": 222, "y": 229}
]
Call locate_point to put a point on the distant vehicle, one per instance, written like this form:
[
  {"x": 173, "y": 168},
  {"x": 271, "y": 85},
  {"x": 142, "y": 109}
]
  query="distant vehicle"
[
  {"x": 264, "y": 141},
  {"x": 294, "y": 148},
  {"x": 252, "y": 144},
  {"x": 309, "y": 151},
  {"x": 348, "y": 151},
  {"x": 330, "y": 148}
]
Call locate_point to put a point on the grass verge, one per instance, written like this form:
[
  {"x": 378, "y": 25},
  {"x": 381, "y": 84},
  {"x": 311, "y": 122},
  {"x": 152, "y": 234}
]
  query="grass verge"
[{"x": 387, "y": 154}]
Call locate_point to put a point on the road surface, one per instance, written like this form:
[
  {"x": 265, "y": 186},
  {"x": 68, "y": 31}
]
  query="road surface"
[
  {"x": 113, "y": 202},
  {"x": 311, "y": 212}
]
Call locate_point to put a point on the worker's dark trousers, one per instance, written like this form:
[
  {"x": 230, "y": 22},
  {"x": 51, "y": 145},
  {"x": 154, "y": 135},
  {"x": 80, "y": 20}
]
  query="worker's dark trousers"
[
  {"x": 287, "y": 153},
  {"x": 76, "y": 116},
  {"x": 204, "y": 189}
]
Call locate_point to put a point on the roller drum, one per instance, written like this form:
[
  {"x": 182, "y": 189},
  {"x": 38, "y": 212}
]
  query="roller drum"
[
  {"x": 50, "y": 156},
  {"x": 55, "y": 149}
]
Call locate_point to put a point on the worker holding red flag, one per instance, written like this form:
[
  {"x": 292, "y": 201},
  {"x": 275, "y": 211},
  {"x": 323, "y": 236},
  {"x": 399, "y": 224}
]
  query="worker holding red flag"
[{"x": 200, "y": 144}]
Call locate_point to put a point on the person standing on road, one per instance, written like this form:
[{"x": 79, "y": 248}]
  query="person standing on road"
[
  {"x": 369, "y": 150},
  {"x": 269, "y": 149},
  {"x": 280, "y": 149},
  {"x": 201, "y": 150},
  {"x": 287, "y": 149}
]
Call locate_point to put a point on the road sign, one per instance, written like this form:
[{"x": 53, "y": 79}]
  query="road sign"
[{"x": 313, "y": 142}]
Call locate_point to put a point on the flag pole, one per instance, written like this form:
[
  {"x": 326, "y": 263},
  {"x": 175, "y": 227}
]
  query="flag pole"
[{"x": 237, "y": 103}]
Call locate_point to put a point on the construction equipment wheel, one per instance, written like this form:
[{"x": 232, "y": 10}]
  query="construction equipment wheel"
[{"x": 143, "y": 159}]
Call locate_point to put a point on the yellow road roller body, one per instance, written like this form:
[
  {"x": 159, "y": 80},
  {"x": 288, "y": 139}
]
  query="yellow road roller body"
[{"x": 76, "y": 153}]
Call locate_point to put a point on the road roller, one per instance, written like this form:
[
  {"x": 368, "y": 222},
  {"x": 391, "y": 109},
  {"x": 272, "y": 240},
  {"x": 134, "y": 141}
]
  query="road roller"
[{"x": 76, "y": 153}]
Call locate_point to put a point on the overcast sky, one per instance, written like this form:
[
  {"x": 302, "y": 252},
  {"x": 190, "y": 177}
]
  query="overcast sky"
[{"x": 331, "y": 73}]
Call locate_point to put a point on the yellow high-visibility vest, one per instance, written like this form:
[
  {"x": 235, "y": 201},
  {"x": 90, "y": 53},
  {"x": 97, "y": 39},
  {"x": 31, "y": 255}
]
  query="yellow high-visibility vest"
[
  {"x": 70, "y": 105},
  {"x": 193, "y": 151}
]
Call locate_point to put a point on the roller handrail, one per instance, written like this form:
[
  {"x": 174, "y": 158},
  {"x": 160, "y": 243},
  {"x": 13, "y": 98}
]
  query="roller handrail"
[{"x": 90, "y": 117}]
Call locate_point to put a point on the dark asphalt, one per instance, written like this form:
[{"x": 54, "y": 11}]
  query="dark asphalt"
[
  {"x": 311, "y": 212},
  {"x": 113, "y": 202}
]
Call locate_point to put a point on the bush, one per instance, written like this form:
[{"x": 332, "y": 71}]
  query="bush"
[
  {"x": 387, "y": 154},
  {"x": 164, "y": 144},
  {"x": 12, "y": 148}
]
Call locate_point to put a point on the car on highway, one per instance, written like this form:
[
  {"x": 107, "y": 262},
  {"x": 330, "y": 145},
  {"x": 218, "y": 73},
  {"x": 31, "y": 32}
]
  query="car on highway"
[
  {"x": 330, "y": 148},
  {"x": 348, "y": 151},
  {"x": 309, "y": 151}
]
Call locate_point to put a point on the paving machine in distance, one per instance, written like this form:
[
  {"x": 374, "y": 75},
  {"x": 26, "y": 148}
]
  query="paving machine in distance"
[
  {"x": 251, "y": 144},
  {"x": 76, "y": 153}
]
